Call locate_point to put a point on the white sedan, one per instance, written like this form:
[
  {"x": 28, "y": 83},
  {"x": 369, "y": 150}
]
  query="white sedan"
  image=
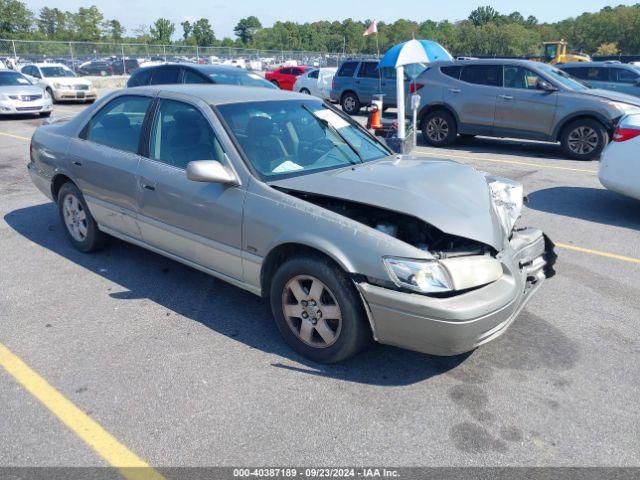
[
  {"x": 60, "y": 82},
  {"x": 316, "y": 82},
  {"x": 620, "y": 162}
]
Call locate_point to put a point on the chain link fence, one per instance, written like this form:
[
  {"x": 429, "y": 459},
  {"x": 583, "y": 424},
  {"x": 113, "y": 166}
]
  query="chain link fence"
[{"x": 90, "y": 57}]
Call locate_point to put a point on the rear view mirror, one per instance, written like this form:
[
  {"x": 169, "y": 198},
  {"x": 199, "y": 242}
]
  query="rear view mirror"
[
  {"x": 545, "y": 86},
  {"x": 210, "y": 171}
]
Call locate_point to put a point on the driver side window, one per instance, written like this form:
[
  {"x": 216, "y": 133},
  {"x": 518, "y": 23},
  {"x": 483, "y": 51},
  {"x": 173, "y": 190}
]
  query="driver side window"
[
  {"x": 519, "y": 77},
  {"x": 181, "y": 134}
]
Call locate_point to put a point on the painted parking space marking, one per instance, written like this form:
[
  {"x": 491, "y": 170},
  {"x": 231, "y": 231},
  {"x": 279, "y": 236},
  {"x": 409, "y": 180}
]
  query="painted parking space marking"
[
  {"x": 11, "y": 135},
  {"x": 513, "y": 162},
  {"x": 129, "y": 465},
  {"x": 598, "y": 253}
]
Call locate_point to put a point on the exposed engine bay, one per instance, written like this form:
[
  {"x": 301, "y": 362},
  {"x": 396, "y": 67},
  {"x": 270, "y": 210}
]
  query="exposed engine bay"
[{"x": 404, "y": 227}]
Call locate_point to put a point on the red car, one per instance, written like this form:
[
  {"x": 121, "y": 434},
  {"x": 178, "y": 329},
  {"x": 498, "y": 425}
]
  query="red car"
[{"x": 285, "y": 77}]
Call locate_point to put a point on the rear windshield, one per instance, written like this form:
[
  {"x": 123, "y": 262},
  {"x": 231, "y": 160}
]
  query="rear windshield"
[{"x": 240, "y": 78}]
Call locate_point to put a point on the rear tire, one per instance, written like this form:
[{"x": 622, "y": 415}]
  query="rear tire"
[
  {"x": 53, "y": 99},
  {"x": 584, "y": 139},
  {"x": 305, "y": 91},
  {"x": 350, "y": 103},
  {"x": 80, "y": 226},
  {"x": 439, "y": 129},
  {"x": 45, "y": 114},
  {"x": 304, "y": 287},
  {"x": 275, "y": 82}
]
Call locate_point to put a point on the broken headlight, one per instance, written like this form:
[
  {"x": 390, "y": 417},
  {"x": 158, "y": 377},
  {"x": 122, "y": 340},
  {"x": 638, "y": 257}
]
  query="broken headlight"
[
  {"x": 507, "y": 199},
  {"x": 424, "y": 276}
]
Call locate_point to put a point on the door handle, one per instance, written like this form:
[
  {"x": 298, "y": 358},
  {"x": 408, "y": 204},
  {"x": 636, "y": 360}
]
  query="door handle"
[
  {"x": 77, "y": 163},
  {"x": 454, "y": 90},
  {"x": 506, "y": 97},
  {"x": 148, "y": 187}
]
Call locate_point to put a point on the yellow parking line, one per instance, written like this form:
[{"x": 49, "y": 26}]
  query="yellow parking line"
[
  {"x": 19, "y": 137},
  {"x": 598, "y": 253},
  {"x": 128, "y": 463},
  {"x": 515, "y": 162}
]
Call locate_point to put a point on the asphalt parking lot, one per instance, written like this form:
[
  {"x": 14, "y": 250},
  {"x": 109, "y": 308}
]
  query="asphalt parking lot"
[{"x": 185, "y": 370}]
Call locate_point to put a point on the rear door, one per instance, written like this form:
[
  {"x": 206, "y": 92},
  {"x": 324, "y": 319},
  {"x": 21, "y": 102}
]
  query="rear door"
[
  {"x": 343, "y": 80},
  {"x": 195, "y": 221},
  {"x": 104, "y": 162},
  {"x": 626, "y": 80},
  {"x": 521, "y": 107},
  {"x": 474, "y": 97},
  {"x": 368, "y": 81}
]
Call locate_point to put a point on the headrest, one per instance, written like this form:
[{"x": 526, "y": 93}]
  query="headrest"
[
  {"x": 259, "y": 127},
  {"x": 115, "y": 121}
]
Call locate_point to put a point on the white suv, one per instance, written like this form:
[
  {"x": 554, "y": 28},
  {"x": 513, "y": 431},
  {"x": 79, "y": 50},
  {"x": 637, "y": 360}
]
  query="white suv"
[{"x": 60, "y": 81}]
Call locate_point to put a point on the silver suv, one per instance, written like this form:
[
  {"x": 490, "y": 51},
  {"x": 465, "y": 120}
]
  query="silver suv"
[{"x": 517, "y": 99}]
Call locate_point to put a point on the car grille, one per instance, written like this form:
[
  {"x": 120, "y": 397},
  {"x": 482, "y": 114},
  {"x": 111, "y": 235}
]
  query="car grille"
[
  {"x": 27, "y": 109},
  {"x": 30, "y": 98},
  {"x": 81, "y": 87}
]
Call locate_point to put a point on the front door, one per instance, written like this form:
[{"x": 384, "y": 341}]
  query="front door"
[
  {"x": 104, "y": 160},
  {"x": 195, "y": 221},
  {"x": 523, "y": 109},
  {"x": 626, "y": 80}
]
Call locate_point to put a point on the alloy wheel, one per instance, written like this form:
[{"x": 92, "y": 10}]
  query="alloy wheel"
[
  {"x": 349, "y": 104},
  {"x": 583, "y": 140},
  {"x": 311, "y": 311},
  {"x": 75, "y": 218},
  {"x": 437, "y": 129}
]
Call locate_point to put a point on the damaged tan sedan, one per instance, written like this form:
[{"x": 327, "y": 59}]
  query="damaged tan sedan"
[{"x": 282, "y": 195}]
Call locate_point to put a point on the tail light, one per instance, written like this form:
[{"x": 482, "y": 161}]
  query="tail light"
[
  {"x": 414, "y": 87},
  {"x": 333, "y": 83},
  {"x": 623, "y": 134}
]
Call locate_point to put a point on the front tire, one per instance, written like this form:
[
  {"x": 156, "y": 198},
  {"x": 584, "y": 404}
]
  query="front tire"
[
  {"x": 80, "y": 226},
  {"x": 584, "y": 139},
  {"x": 318, "y": 310},
  {"x": 45, "y": 114},
  {"x": 439, "y": 129},
  {"x": 350, "y": 103}
]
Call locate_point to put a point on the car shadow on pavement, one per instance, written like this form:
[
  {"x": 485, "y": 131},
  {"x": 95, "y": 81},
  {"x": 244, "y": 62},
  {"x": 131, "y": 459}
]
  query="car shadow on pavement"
[
  {"x": 592, "y": 204},
  {"x": 209, "y": 301}
]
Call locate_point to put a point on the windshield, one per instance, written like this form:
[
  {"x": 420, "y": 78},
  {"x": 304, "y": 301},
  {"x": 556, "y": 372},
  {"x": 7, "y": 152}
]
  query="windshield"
[
  {"x": 294, "y": 137},
  {"x": 12, "y": 78},
  {"x": 563, "y": 78},
  {"x": 240, "y": 78},
  {"x": 56, "y": 72}
]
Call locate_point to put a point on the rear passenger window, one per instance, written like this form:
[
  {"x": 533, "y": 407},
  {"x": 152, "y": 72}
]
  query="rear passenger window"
[
  {"x": 119, "y": 123},
  {"x": 165, "y": 76},
  {"x": 347, "y": 69},
  {"x": 622, "y": 75},
  {"x": 489, "y": 75},
  {"x": 596, "y": 74},
  {"x": 369, "y": 70},
  {"x": 452, "y": 71},
  {"x": 314, "y": 74},
  {"x": 193, "y": 77},
  {"x": 181, "y": 134}
]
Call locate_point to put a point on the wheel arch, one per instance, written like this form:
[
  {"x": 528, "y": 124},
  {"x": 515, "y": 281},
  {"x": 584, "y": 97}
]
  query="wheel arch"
[
  {"x": 58, "y": 180},
  {"x": 349, "y": 90},
  {"x": 280, "y": 253},
  {"x": 433, "y": 107},
  {"x": 606, "y": 123}
]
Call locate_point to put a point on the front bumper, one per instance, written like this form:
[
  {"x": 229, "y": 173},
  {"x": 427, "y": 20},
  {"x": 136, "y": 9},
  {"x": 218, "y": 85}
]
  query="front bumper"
[
  {"x": 72, "y": 94},
  {"x": 458, "y": 324},
  {"x": 18, "y": 107}
]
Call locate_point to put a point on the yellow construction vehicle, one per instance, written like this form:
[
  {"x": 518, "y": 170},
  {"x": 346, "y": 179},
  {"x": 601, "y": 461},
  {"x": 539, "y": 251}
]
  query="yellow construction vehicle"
[{"x": 556, "y": 52}]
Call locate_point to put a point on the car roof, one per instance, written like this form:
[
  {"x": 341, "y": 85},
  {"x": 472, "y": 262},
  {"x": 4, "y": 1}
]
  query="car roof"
[
  {"x": 48, "y": 65},
  {"x": 223, "y": 94},
  {"x": 198, "y": 67},
  {"x": 487, "y": 61},
  {"x": 596, "y": 64}
]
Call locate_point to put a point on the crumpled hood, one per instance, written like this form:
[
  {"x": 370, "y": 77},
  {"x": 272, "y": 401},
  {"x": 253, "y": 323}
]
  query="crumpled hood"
[
  {"x": 614, "y": 96},
  {"x": 450, "y": 196}
]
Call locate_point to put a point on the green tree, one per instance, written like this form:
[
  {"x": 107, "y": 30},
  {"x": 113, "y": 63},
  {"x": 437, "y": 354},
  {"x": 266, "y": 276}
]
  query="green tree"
[
  {"x": 162, "y": 30},
  {"x": 87, "y": 23},
  {"x": 187, "y": 28},
  {"x": 114, "y": 30},
  {"x": 203, "y": 33},
  {"x": 52, "y": 22},
  {"x": 610, "y": 48},
  {"x": 15, "y": 18},
  {"x": 246, "y": 29},
  {"x": 483, "y": 15}
]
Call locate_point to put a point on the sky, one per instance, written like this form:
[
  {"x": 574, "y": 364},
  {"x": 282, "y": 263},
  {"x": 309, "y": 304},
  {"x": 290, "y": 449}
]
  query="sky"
[{"x": 224, "y": 14}]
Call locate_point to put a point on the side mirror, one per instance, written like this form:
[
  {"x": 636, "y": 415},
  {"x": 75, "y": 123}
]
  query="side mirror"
[
  {"x": 210, "y": 171},
  {"x": 545, "y": 86}
]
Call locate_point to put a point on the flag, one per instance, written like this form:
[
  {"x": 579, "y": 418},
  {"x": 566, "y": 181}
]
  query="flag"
[{"x": 371, "y": 29}]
